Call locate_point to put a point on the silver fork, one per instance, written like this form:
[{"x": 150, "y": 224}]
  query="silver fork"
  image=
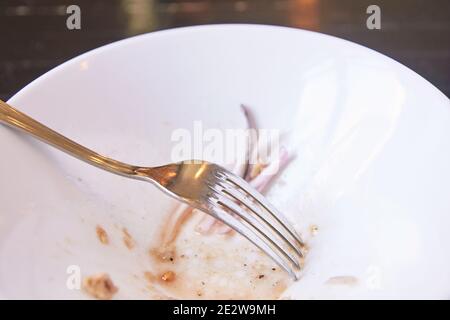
[{"x": 200, "y": 184}]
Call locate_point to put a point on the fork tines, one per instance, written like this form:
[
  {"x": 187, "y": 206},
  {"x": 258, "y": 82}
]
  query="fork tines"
[{"x": 259, "y": 221}]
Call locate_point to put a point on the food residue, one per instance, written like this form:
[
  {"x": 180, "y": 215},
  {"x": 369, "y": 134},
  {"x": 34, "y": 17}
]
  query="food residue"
[
  {"x": 198, "y": 249},
  {"x": 100, "y": 286},
  {"x": 102, "y": 235},
  {"x": 168, "y": 276},
  {"x": 191, "y": 265},
  {"x": 210, "y": 263},
  {"x": 164, "y": 254},
  {"x": 127, "y": 239},
  {"x": 149, "y": 276},
  {"x": 314, "y": 229}
]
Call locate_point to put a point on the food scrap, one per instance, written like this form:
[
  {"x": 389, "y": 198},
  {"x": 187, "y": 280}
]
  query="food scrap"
[
  {"x": 314, "y": 229},
  {"x": 168, "y": 276},
  {"x": 128, "y": 239},
  {"x": 100, "y": 286},
  {"x": 102, "y": 235}
]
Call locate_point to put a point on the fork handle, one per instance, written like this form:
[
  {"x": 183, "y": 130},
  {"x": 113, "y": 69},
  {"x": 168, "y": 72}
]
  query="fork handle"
[{"x": 19, "y": 120}]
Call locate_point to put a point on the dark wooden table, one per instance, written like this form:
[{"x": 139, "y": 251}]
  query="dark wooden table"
[{"x": 34, "y": 37}]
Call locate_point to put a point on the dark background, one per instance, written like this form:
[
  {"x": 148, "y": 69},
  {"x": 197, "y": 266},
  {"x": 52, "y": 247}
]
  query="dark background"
[{"x": 34, "y": 37}]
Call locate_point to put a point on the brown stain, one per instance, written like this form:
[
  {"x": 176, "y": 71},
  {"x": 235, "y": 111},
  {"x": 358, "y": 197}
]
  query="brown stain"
[
  {"x": 163, "y": 278},
  {"x": 177, "y": 222},
  {"x": 100, "y": 286},
  {"x": 173, "y": 225},
  {"x": 102, "y": 235},
  {"x": 152, "y": 281},
  {"x": 150, "y": 277},
  {"x": 263, "y": 281},
  {"x": 168, "y": 276},
  {"x": 128, "y": 240},
  {"x": 163, "y": 254},
  {"x": 171, "y": 275}
]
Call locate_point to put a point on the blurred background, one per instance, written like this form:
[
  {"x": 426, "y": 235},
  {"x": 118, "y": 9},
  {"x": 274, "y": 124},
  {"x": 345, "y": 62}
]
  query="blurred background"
[{"x": 34, "y": 36}]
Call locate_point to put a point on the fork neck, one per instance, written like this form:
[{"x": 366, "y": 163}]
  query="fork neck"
[{"x": 16, "y": 119}]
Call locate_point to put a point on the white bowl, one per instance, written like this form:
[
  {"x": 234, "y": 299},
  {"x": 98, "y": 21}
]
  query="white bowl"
[{"x": 372, "y": 170}]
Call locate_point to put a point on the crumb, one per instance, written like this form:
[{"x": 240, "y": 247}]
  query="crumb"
[
  {"x": 102, "y": 235},
  {"x": 274, "y": 269},
  {"x": 199, "y": 294},
  {"x": 260, "y": 276},
  {"x": 168, "y": 276},
  {"x": 100, "y": 286},
  {"x": 127, "y": 239},
  {"x": 313, "y": 229}
]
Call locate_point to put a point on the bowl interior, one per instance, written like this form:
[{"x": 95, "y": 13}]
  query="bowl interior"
[{"x": 371, "y": 167}]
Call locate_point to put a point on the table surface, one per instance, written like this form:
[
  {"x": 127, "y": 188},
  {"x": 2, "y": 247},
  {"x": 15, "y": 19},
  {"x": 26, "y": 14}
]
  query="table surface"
[{"x": 35, "y": 37}]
